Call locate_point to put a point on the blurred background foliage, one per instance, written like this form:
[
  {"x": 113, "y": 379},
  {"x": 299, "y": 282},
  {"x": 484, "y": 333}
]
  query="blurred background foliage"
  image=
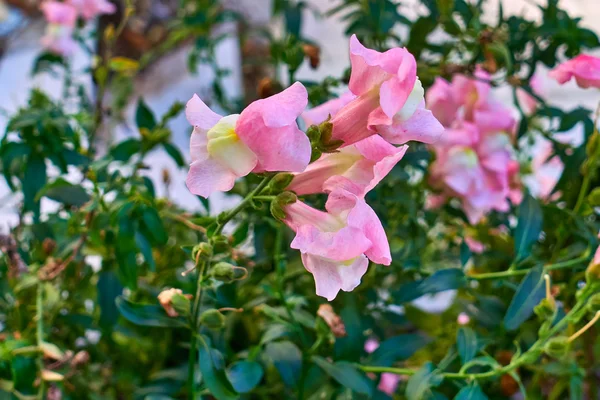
[{"x": 79, "y": 315}]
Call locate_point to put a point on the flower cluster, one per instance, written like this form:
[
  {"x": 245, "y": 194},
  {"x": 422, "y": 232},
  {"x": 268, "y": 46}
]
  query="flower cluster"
[
  {"x": 352, "y": 152},
  {"x": 474, "y": 160},
  {"x": 584, "y": 68},
  {"x": 62, "y": 17}
]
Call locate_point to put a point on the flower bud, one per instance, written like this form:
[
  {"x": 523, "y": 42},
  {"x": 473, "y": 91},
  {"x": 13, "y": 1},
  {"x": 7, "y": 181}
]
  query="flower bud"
[
  {"x": 593, "y": 304},
  {"x": 212, "y": 319},
  {"x": 226, "y": 272},
  {"x": 202, "y": 251},
  {"x": 545, "y": 309},
  {"x": 592, "y": 273},
  {"x": 268, "y": 87},
  {"x": 332, "y": 320},
  {"x": 313, "y": 53},
  {"x": 174, "y": 302},
  {"x": 49, "y": 246},
  {"x": 281, "y": 181},
  {"x": 220, "y": 243},
  {"x": 283, "y": 199},
  {"x": 557, "y": 347}
]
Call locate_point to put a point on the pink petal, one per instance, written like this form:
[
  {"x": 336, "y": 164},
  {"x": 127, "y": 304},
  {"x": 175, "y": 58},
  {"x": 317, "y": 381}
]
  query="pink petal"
[
  {"x": 350, "y": 124},
  {"x": 395, "y": 91},
  {"x": 299, "y": 213},
  {"x": 343, "y": 245},
  {"x": 330, "y": 277},
  {"x": 268, "y": 127},
  {"x": 208, "y": 176},
  {"x": 281, "y": 109},
  {"x": 200, "y": 115},
  {"x": 421, "y": 127},
  {"x": 442, "y": 102},
  {"x": 59, "y": 13},
  {"x": 584, "y": 68},
  {"x": 198, "y": 143}
]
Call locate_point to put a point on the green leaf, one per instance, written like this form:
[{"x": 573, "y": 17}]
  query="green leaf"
[
  {"x": 466, "y": 341},
  {"x": 420, "y": 384},
  {"x": 108, "y": 288},
  {"x": 213, "y": 373},
  {"x": 126, "y": 149},
  {"x": 245, "y": 375},
  {"x": 147, "y": 314},
  {"x": 33, "y": 180},
  {"x": 144, "y": 245},
  {"x": 439, "y": 281},
  {"x": 175, "y": 154},
  {"x": 471, "y": 392},
  {"x": 530, "y": 292},
  {"x": 346, "y": 375},
  {"x": 287, "y": 358},
  {"x": 152, "y": 222},
  {"x": 64, "y": 192},
  {"x": 24, "y": 374},
  {"x": 529, "y": 226},
  {"x": 241, "y": 233},
  {"x": 144, "y": 118},
  {"x": 397, "y": 348}
]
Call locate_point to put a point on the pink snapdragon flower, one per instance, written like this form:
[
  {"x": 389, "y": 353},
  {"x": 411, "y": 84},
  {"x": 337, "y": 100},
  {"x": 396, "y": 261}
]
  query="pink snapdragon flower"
[
  {"x": 357, "y": 168},
  {"x": 529, "y": 103},
  {"x": 388, "y": 383},
  {"x": 584, "y": 68},
  {"x": 61, "y": 18},
  {"x": 264, "y": 137},
  {"x": 90, "y": 9},
  {"x": 59, "y": 13},
  {"x": 389, "y": 99},
  {"x": 478, "y": 168},
  {"x": 546, "y": 171},
  {"x": 336, "y": 245}
]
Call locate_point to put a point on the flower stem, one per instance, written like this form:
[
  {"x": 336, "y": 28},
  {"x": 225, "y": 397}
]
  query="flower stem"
[
  {"x": 195, "y": 313},
  {"x": 40, "y": 334},
  {"x": 222, "y": 221},
  {"x": 549, "y": 267}
]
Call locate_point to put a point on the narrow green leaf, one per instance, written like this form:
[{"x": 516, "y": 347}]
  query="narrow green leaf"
[
  {"x": 175, "y": 154},
  {"x": 530, "y": 292},
  {"x": 144, "y": 118},
  {"x": 397, "y": 348},
  {"x": 245, "y": 375},
  {"x": 346, "y": 375},
  {"x": 147, "y": 314},
  {"x": 108, "y": 288},
  {"x": 287, "y": 358},
  {"x": 471, "y": 392},
  {"x": 213, "y": 373},
  {"x": 529, "y": 226},
  {"x": 466, "y": 341}
]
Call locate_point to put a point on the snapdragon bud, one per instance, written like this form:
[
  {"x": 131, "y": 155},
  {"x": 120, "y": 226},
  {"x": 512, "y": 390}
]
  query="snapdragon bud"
[
  {"x": 593, "y": 304},
  {"x": 282, "y": 200},
  {"x": 281, "y": 181},
  {"x": 557, "y": 347},
  {"x": 202, "y": 252},
  {"x": 545, "y": 309},
  {"x": 212, "y": 319},
  {"x": 226, "y": 272}
]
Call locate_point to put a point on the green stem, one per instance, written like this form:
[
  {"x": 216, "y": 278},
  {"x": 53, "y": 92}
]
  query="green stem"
[
  {"x": 201, "y": 266},
  {"x": 549, "y": 267},
  {"x": 265, "y": 198},
  {"x": 40, "y": 334},
  {"x": 222, "y": 221}
]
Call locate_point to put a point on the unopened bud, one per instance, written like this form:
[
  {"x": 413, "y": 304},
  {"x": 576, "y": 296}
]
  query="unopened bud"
[
  {"x": 212, "y": 319},
  {"x": 313, "y": 53},
  {"x": 49, "y": 246},
  {"x": 545, "y": 309},
  {"x": 593, "y": 304},
  {"x": 202, "y": 251},
  {"x": 268, "y": 87},
  {"x": 557, "y": 347},
  {"x": 220, "y": 243},
  {"x": 80, "y": 358},
  {"x": 174, "y": 302},
  {"x": 282, "y": 200},
  {"x": 592, "y": 273},
  {"x": 332, "y": 320},
  {"x": 226, "y": 272},
  {"x": 281, "y": 181}
]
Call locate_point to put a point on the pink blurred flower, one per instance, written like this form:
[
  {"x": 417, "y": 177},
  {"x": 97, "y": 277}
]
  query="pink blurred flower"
[
  {"x": 389, "y": 99},
  {"x": 58, "y": 39},
  {"x": 477, "y": 168},
  {"x": 472, "y": 93},
  {"x": 442, "y": 101},
  {"x": 59, "y": 13},
  {"x": 90, "y": 9},
  {"x": 336, "y": 245},
  {"x": 529, "y": 103},
  {"x": 357, "y": 168},
  {"x": 463, "y": 319},
  {"x": 388, "y": 383},
  {"x": 264, "y": 137},
  {"x": 474, "y": 245},
  {"x": 584, "y": 68},
  {"x": 546, "y": 171}
]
